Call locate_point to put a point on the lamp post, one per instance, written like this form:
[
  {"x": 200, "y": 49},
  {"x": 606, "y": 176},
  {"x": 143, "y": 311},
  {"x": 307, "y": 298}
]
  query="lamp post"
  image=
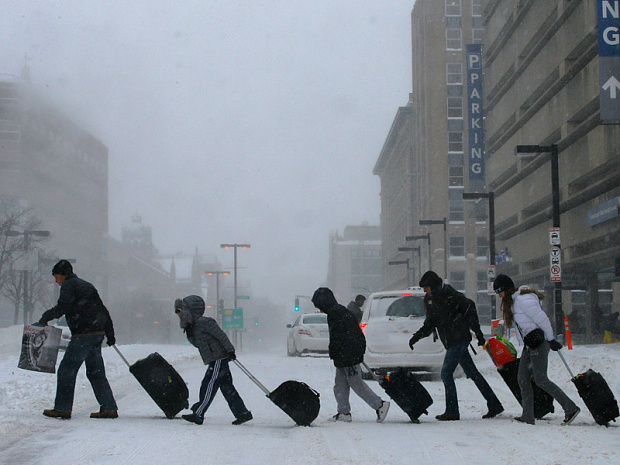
[
  {"x": 403, "y": 262},
  {"x": 426, "y": 236},
  {"x": 491, "y": 197},
  {"x": 217, "y": 291},
  {"x": 522, "y": 151},
  {"x": 27, "y": 304},
  {"x": 235, "y": 246},
  {"x": 413, "y": 249},
  {"x": 445, "y": 241}
]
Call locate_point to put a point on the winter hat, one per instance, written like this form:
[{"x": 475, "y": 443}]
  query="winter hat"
[
  {"x": 63, "y": 267},
  {"x": 431, "y": 280},
  {"x": 502, "y": 284},
  {"x": 323, "y": 298}
]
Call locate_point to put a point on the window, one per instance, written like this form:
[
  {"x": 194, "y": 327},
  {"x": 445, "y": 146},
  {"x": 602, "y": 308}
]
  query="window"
[
  {"x": 453, "y": 7},
  {"x": 454, "y": 73},
  {"x": 457, "y": 280},
  {"x": 477, "y": 36},
  {"x": 482, "y": 246},
  {"x": 476, "y": 8},
  {"x": 481, "y": 281},
  {"x": 455, "y": 107},
  {"x": 456, "y": 208},
  {"x": 455, "y": 141},
  {"x": 455, "y": 176},
  {"x": 457, "y": 246},
  {"x": 454, "y": 39},
  {"x": 455, "y": 159}
]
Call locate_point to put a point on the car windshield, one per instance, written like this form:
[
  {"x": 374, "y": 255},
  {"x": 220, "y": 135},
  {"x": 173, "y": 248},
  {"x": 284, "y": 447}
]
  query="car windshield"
[
  {"x": 315, "y": 320},
  {"x": 405, "y": 306}
]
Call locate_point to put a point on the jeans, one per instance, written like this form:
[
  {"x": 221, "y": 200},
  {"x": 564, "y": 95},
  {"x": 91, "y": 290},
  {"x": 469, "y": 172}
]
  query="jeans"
[
  {"x": 455, "y": 355},
  {"x": 218, "y": 376},
  {"x": 85, "y": 349},
  {"x": 348, "y": 378}
]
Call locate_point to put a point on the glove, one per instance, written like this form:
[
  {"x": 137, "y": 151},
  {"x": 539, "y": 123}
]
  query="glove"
[
  {"x": 231, "y": 356},
  {"x": 481, "y": 341},
  {"x": 111, "y": 341},
  {"x": 412, "y": 341},
  {"x": 555, "y": 345}
]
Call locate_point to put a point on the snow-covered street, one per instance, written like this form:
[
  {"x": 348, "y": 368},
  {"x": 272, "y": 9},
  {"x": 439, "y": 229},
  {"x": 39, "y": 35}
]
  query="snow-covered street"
[{"x": 142, "y": 434}]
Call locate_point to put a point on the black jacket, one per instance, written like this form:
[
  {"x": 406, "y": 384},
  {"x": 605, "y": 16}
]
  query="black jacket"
[
  {"x": 347, "y": 343},
  {"x": 452, "y": 314},
  {"x": 79, "y": 301}
]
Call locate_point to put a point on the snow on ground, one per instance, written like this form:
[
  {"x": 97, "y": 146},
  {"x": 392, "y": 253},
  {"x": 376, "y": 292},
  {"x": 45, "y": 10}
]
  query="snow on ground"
[{"x": 142, "y": 435}]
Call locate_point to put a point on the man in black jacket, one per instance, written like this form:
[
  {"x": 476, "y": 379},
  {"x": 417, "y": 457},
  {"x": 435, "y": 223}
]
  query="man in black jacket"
[
  {"x": 347, "y": 346},
  {"x": 454, "y": 316},
  {"x": 89, "y": 320}
]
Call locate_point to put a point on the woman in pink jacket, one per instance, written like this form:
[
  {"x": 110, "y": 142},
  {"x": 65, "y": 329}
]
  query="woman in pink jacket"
[{"x": 521, "y": 309}]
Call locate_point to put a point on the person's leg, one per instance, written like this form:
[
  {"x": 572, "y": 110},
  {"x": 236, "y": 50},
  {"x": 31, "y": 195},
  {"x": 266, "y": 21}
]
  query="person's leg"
[
  {"x": 75, "y": 354},
  {"x": 539, "y": 360},
  {"x": 235, "y": 403},
  {"x": 524, "y": 378},
  {"x": 341, "y": 391},
  {"x": 470, "y": 369},
  {"x": 450, "y": 362},
  {"x": 95, "y": 372},
  {"x": 354, "y": 380},
  {"x": 208, "y": 388}
]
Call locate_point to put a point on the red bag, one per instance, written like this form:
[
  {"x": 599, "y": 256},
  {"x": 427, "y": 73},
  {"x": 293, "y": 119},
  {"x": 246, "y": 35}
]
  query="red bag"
[{"x": 501, "y": 350}]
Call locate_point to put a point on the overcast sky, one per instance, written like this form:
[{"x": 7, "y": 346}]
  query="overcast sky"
[{"x": 228, "y": 121}]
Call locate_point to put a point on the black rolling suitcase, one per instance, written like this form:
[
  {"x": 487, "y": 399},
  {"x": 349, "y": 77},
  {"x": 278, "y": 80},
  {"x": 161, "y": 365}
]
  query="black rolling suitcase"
[
  {"x": 543, "y": 402},
  {"x": 408, "y": 393},
  {"x": 161, "y": 381},
  {"x": 596, "y": 394}
]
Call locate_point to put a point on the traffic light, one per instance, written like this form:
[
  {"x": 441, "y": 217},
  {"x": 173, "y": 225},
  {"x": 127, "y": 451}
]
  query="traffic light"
[{"x": 296, "y": 304}]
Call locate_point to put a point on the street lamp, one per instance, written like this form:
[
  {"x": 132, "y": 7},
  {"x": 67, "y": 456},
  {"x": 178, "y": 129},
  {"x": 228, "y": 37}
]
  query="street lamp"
[
  {"x": 25, "y": 247},
  {"x": 217, "y": 291},
  {"x": 413, "y": 249},
  {"x": 403, "y": 262},
  {"x": 426, "y": 236},
  {"x": 523, "y": 151},
  {"x": 445, "y": 241},
  {"x": 235, "y": 246},
  {"x": 491, "y": 197}
]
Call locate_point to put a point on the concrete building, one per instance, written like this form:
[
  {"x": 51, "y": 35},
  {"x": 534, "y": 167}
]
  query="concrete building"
[
  {"x": 541, "y": 77},
  {"x": 354, "y": 262}
]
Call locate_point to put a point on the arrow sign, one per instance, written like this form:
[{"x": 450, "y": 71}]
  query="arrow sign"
[{"x": 612, "y": 85}]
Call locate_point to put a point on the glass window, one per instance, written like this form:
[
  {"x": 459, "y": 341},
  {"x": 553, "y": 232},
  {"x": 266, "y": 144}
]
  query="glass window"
[
  {"x": 477, "y": 36},
  {"x": 481, "y": 281},
  {"x": 476, "y": 8},
  {"x": 454, "y": 39},
  {"x": 455, "y": 176},
  {"x": 453, "y": 7},
  {"x": 407, "y": 306},
  {"x": 455, "y": 159},
  {"x": 454, "y": 73},
  {"x": 455, "y": 141},
  {"x": 455, "y": 107},
  {"x": 457, "y": 246},
  {"x": 482, "y": 246},
  {"x": 457, "y": 280}
]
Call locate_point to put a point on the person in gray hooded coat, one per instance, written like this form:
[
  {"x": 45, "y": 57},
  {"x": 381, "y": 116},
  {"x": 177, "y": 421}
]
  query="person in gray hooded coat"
[{"x": 216, "y": 350}]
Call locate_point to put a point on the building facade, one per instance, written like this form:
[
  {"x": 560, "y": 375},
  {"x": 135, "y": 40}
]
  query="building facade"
[{"x": 541, "y": 65}]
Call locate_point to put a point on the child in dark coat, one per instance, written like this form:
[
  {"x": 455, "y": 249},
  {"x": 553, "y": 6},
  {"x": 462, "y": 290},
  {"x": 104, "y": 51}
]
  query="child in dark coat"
[{"x": 216, "y": 350}]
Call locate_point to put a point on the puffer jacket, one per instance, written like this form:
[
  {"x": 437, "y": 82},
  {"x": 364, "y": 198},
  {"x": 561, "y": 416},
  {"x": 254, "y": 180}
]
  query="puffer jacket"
[
  {"x": 347, "y": 343},
  {"x": 528, "y": 315},
  {"x": 203, "y": 332},
  {"x": 86, "y": 314},
  {"x": 452, "y": 314}
]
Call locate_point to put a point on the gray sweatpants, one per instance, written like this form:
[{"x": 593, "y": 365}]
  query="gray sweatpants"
[
  {"x": 348, "y": 378},
  {"x": 534, "y": 363}
]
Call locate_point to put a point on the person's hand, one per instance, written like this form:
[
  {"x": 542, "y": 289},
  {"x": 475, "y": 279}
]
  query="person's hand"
[
  {"x": 555, "y": 345},
  {"x": 481, "y": 341},
  {"x": 231, "y": 356},
  {"x": 38, "y": 323},
  {"x": 412, "y": 341},
  {"x": 111, "y": 341}
]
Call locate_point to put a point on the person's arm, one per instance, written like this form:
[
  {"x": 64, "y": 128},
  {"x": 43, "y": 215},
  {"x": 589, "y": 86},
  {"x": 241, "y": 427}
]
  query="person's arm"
[
  {"x": 65, "y": 301},
  {"x": 531, "y": 307},
  {"x": 471, "y": 315}
]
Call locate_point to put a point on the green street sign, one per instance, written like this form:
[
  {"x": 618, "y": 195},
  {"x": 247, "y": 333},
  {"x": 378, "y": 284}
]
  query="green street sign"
[
  {"x": 243, "y": 297},
  {"x": 232, "y": 318}
]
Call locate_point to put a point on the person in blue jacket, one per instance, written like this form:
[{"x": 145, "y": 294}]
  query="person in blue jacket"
[{"x": 216, "y": 351}]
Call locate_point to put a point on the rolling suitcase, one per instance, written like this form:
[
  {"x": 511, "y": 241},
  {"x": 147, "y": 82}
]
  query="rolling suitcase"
[
  {"x": 161, "y": 381},
  {"x": 596, "y": 394},
  {"x": 408, "y": 393},
  {"x": 298, "y": 400},
  {"x": 543, "y": 401}
]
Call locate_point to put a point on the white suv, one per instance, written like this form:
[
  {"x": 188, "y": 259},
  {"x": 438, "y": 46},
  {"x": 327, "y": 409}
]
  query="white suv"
[{"x": 389, "y": 320}]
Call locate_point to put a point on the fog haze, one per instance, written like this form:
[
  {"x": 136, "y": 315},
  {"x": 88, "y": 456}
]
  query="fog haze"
[{"x": 252, "y": 122}]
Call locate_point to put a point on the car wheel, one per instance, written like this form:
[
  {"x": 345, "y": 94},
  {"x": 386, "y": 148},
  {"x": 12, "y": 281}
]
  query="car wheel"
[{"x": 290, "y": 349}]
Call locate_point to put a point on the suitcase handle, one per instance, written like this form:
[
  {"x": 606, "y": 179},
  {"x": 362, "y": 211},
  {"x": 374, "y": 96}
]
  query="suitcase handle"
[
  {"x": 566, "y": 364},
  {"x": 252, "y": 377},
  {"x": 121, "y": 355},
  {"x": 372, "y": 373}
]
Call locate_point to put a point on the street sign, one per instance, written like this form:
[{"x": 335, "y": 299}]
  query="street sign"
[
  {"x": 491, "y": 272},
  {"x": 555, "y": 264},
  {"x": 490, "y": 289},
  {"x": 608, "y": 13},
  {"x": 554, "y": 236},
  {"x": 232, "y": 318},
  {"x": 243, "y": 297}
]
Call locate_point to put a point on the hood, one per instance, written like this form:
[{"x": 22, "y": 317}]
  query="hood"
[
  {"x": 324, "y": 299},
  {"x": 195, "y": 304}
]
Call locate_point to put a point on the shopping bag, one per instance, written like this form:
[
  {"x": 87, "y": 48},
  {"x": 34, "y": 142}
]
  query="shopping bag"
[{"x": 40, "y": 348}]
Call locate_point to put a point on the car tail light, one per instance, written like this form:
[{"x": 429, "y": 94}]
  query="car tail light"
[
  {"x": 407, "y": 293},
  {"x": 304, "y": 331},
  {"x": 363, "y": 327}
]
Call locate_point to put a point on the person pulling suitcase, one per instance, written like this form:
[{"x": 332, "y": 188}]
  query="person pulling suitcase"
[{"x": 216, "y": 350}]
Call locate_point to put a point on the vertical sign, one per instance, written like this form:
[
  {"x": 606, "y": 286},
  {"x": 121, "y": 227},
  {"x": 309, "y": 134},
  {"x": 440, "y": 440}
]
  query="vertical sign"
[
  {"x": 609, "y": 58},
  {"x": 474, "y": 106}
]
